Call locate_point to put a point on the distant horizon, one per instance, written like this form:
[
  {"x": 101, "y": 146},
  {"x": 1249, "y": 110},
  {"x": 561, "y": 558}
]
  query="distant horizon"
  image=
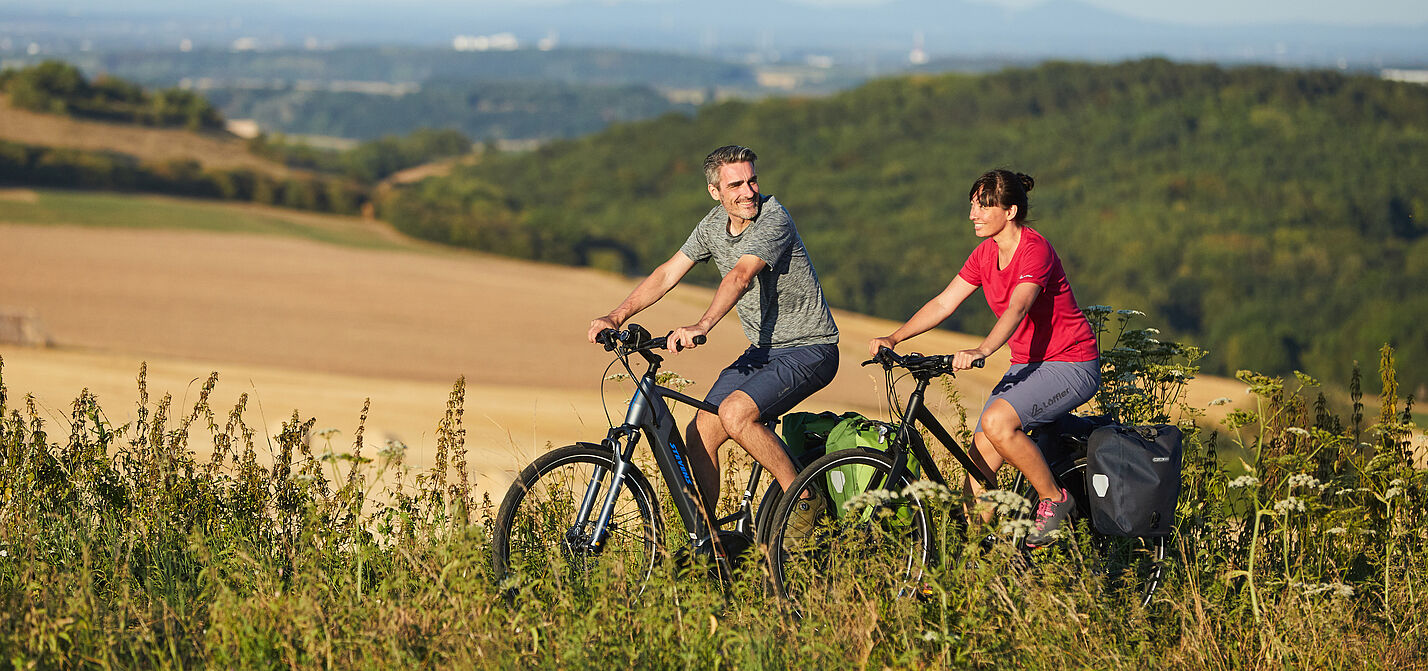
[{"x": 1203, "y": 13}]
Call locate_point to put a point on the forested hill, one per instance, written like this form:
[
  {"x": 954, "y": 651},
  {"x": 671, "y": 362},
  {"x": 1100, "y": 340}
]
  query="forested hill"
[{"x": 1275, "y": 217}]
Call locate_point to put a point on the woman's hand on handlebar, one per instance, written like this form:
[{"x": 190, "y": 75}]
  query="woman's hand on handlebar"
[
  {"x": 876, "y": 344},
  {"x": 968, "y": 358},
  {"x": 684, "y": 338}
]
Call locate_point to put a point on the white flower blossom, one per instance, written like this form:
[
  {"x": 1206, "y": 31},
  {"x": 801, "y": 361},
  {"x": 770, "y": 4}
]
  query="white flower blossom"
[
  {"x": 1020, "y": 527},
  {"x": 1336, "y": 531},
  {"x": 869, "y": 499},
  {"x": 1006, "y": 502},
  {"x": 1130, "y": 313},
  {"x": 1220, "y": 401},
  {"x": 1292, "y": 504},
  {"x": 1244, "y": 481},
  {"x": 1297, "y": 431},
  {"x": 1303, "y": 480},
  {"x": 927, "y": 490},
  {"x": 1335, "y": 589},
  {"x": 1392, "y": 492}
]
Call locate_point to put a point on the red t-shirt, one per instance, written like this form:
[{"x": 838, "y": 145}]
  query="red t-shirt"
[{"x": 1054, "y": 329}]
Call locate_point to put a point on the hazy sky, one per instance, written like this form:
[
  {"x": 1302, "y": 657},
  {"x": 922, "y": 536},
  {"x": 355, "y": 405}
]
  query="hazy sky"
[
  {"x": 1202, "y": 12},
  {"x": 1220, "y": 12}
]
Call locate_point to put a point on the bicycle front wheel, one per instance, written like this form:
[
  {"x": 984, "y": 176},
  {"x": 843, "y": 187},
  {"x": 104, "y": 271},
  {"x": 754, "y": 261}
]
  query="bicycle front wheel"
[
  {"x": 844, "y": 532},
  {"x": 543, "y": 541}
]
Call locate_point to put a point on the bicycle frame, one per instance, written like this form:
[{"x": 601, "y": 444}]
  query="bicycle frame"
[
  {"x": 917, "y": 412},
  {"x": 648, "y": 414}
]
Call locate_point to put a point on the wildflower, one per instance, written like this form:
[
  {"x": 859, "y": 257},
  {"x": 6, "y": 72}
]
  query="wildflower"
[
  {"x": 1336, "y": 531},
  {"x": 1006, "y": 502},
  {"x": 1303, "y": 480},
  {"x": 4, "y": 553},
  {"x": 869, "y": 499},
  {"x": 927, "y": 490},
  {"x": 1392, "y": 492},
  {"x": 1130, "y": 313},
  {"x": 1297, "y": 431},
  {"x": 1343, "y": 591},
  {"x": 1399, "y": 482},
  {"x": 1220, "y": 401},
  {"x": 1020, "y": 527},
  {"x": 931, "y": 636},
  {"x": 1292, "y": 504},
  {"x": 1244, "y": 481}
]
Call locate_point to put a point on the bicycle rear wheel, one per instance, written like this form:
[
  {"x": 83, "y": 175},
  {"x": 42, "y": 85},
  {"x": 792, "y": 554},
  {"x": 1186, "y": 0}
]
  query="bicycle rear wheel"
[
  {"x": 820, "y": 549},
  {"x": 1131, "y": 567},
  {"x": 542, "y": 541}
]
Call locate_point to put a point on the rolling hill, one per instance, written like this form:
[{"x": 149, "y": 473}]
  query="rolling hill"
[{"x": 320, "y": 312}]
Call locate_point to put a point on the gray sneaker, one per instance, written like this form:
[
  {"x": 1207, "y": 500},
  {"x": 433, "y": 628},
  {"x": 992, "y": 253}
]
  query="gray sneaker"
[
  {"x": 1050, "y": 514},
  {"x": 803, "y": 521}
]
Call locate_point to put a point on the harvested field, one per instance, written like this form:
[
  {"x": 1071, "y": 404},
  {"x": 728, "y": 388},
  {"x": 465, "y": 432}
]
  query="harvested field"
[
  {"x": 212, "y": 149},
  {"x": 319, "y": 326}
]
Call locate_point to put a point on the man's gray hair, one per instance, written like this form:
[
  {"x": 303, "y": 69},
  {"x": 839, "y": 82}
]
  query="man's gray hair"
[{"x": 722, "y": 156}]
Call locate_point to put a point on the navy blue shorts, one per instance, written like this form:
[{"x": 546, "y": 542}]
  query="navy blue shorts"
[{"x": 777, "y": 379}]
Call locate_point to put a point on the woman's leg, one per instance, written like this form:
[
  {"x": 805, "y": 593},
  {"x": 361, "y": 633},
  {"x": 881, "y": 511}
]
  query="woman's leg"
[
  {"x": 985, "y": 456},
  {"x": 1002, "y": 428}
]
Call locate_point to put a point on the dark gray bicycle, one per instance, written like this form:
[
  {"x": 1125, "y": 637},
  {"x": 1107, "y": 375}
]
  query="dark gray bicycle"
[{"x": 586, "y": 515}]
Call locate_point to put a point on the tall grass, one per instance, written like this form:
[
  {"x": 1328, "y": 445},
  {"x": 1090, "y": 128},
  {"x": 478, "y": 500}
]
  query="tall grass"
[{"x": 184, "y": 539}]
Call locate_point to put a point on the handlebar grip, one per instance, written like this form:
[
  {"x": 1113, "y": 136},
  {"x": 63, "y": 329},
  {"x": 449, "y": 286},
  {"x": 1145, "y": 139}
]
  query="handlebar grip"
[
  {"x": 979, "y": 363},
  {"x": 698, "y": 340}
]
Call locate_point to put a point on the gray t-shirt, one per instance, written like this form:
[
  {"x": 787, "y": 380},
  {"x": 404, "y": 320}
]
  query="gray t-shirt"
[{"x": 784, "y": 306}]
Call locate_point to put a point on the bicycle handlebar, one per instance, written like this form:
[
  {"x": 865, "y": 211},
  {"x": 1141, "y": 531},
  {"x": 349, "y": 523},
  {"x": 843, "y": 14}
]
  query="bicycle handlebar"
[
  {"x": 636, "y": 339},
  {"x": 936, "y": 364}
]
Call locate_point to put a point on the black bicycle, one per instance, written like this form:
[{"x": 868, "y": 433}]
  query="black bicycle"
[
  {"x": 854, "y": 514},
  {"x": 586, "y": 514}
]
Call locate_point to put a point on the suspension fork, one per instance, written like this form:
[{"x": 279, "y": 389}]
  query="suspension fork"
[{"x": 622, "y": 457}]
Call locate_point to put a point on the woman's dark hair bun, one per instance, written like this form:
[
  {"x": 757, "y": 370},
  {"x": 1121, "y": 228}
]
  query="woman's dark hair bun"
[{"x": 1026, "y": 181}]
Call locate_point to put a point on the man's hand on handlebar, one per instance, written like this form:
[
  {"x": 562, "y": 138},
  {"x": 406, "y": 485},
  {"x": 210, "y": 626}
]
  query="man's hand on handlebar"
[
  {"x": 599, "y": 324},
  {"x": 684, "y": 338},
  {"x": 876, "y": 344}
]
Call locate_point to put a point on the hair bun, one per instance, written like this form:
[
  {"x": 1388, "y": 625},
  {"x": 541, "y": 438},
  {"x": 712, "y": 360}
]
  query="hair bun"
[{"x": 1026, "y": 181}]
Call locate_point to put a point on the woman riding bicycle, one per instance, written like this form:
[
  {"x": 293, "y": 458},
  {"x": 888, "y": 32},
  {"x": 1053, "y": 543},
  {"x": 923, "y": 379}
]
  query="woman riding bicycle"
[{"x": 1055, "y": 361}]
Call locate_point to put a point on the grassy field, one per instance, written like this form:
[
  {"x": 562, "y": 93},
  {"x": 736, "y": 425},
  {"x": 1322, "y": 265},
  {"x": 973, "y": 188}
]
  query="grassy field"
[{"x": 170, "y": 519}]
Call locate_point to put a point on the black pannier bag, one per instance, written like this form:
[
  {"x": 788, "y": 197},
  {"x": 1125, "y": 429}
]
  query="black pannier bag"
[{"x": 1133, "y": 479}]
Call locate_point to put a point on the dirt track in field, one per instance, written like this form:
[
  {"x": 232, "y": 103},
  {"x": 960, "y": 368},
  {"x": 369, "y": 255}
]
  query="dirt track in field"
[{"x": 318, "y": 327}]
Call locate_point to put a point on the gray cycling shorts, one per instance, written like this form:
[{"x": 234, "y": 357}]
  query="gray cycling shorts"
[
  {"x": 1041, "y": 391},
  {"x": 777, "y": 379}
]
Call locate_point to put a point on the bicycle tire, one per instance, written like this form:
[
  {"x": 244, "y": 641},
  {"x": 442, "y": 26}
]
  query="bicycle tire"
[
  {"x": 538, "y": 541},
  {"x": 846, "y": 555},
  {"x": 1122, "y": 565}
]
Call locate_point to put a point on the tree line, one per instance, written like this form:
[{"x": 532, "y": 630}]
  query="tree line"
[
  {"x": 1274, "y": 216},
  {"x": 56, "y": 87}
]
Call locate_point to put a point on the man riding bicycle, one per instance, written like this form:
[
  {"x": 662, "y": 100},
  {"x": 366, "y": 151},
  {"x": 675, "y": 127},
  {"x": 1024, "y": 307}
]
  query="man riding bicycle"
[{"x": 766, "y": 272}]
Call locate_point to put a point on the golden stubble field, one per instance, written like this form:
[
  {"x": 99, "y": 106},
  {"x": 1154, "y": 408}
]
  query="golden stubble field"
[{"x": 318, "y": 327}]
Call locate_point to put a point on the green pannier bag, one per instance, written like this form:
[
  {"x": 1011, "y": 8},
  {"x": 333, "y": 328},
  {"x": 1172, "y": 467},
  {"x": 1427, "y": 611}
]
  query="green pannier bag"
[
  {"x": 851, "y": 432},
  {"x": 805, "y": 432}
]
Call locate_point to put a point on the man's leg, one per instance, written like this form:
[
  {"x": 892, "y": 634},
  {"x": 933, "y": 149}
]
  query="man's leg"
[
  {"x": 704, "y": 437},
  {"x": 740, "y": 418}
]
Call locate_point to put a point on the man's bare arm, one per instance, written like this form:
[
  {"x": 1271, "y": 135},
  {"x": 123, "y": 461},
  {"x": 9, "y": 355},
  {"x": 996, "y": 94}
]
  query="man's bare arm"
[
  {"x": 731, "y": 288},
  {"x": 645, "y": 294}
]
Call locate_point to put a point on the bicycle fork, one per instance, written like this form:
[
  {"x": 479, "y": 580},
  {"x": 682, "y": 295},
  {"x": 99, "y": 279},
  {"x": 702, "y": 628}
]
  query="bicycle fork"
[{"x": 600, "y": 533}]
